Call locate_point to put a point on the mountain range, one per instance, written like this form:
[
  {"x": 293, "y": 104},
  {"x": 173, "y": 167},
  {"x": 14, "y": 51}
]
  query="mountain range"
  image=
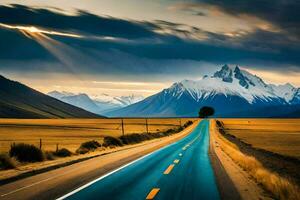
[
  {"x": 232, "y": 91},
  {"x": 100, "y": 104},
  {"x": 20, "y": 101}
]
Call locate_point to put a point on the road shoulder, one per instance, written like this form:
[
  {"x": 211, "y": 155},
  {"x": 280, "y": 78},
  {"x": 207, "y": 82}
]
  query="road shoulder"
[{"x": 233, "y": 181}]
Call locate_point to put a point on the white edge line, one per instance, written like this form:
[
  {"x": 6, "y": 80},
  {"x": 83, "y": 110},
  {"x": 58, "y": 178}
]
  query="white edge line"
[{"x": 112, "y": 172}]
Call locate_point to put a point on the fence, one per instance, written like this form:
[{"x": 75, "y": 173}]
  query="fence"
[{"x": 70, "y": 133}]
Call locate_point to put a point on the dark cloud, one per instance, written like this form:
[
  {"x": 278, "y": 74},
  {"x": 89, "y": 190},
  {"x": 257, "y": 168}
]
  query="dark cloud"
[
  {"x": 158, "y": 46},
  {"x": 83, "y": 22},
  {"x": 282, "y": 13}
]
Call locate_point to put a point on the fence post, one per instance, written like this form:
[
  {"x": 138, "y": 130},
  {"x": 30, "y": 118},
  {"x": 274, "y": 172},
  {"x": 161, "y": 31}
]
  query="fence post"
[
  {"x": 40, "y": 143},
  {"x": 147, "y": 126},
  {"x": 57, "y": 147},
  {"x": 122, "y": 127},
  {"x": 180, "y": 122}
]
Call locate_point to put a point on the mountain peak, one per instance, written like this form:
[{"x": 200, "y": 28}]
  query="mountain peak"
[
  {"x": 231, "y": 89},
  {"x": 237, "y": 68},
  {"x": 289, "y": 85},
  {"x": 225, "y": 74},
  {"x": 244, "y": 81}
]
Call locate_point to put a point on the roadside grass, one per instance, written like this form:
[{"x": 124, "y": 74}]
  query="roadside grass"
[
  {"x": 71, "y": 133},
  {"x": 26, "y": 153},
  {"x": 82, "y": 150},
  {"x": 49, "y": 155},
  {"x": 63, "y": 153},
  {"x": 88, "y": 146},
  {"x": 279, "y": 187},
  {"x": 137, "y": 138},
  {"x": 91, "y": 145},
  {"x": 7, "y": 162},
  {"x": 110, "y": 141},
  {"x": 280, "y": 136}
]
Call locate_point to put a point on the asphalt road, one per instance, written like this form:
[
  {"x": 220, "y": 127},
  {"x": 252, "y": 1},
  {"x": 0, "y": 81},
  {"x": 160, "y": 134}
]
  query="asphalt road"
[{"x": 181, "y": 170}]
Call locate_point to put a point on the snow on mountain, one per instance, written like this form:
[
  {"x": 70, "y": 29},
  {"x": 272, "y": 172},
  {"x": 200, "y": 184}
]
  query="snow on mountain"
[
  {"x": 229, "y": 90},
  {"x": 296, "y": 97},
  {"x": 99, "y": 104},
  {"x": 128, "y": 100},
  {"x": 286, "y": 91},
  {"x": 228, "y": 81},
  {"x": 79, "y": 100},
  {"x": 122, "y": 101},
  {"x": 59, "y": 95}
]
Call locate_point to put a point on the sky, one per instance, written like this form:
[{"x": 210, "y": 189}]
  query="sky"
[{"x": 140, "y": 47}]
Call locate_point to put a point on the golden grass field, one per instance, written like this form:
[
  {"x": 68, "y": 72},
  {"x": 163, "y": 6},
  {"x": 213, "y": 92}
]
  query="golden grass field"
[
  {"x": 70, "y": 133},
  {"x": 281, "y": 187},
  {"x": 280, "y": 136}
]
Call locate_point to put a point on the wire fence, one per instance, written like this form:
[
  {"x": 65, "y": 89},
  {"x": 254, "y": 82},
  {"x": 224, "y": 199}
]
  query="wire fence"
[{"x": 64, "y": 133}]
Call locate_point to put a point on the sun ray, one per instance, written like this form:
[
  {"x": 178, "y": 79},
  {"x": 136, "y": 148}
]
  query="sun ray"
[
  {"x": 62, "y": 52},
  {"x": 33, "y": 29}
]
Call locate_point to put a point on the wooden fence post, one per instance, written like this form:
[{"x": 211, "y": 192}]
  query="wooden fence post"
[
  {"x": 147, "y": 126},
  {"x": 57, "y": 147},
  {"x": 40, "y": 143},
  {"x": 123, "y": 132}
]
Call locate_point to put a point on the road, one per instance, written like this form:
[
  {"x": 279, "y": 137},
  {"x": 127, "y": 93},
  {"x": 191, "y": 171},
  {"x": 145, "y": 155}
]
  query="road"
[{"x": 181, "y": 170}]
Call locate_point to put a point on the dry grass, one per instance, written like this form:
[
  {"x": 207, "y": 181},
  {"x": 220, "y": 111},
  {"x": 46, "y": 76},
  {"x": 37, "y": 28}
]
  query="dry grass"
[
  {"x": 281, "y": 136},
  {"x": 70, "y": 133},
  {"x": 281, "y": 188}
]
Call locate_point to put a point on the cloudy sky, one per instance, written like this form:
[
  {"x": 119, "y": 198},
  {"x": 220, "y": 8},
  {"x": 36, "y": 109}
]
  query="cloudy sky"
[{"x": 139, "y": 47}]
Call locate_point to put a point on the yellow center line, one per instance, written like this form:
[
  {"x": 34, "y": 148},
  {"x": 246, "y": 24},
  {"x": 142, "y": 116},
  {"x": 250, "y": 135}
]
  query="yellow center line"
[
  {"x": 152, "y": 193},
  {"x": 169, "y": 169},
  {"x": 190, "y": 143}
]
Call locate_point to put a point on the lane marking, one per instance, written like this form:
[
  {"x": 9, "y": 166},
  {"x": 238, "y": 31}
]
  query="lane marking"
[
  {"x": 176, "y": 161},
  {"x": 118, "y": 169},
  {"x": 169, "y": 169},
  {"x": 152, "y": 193},
  {"x": 190, "y": 143},
  {"x": 112, "y": 172}
]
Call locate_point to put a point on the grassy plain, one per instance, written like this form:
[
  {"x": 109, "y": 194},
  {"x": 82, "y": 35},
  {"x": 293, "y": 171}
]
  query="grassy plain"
[
  {"x": 281, "y": 136},
  {"x": 279, "y": 175},
  {"x": 70, "y": 133}
]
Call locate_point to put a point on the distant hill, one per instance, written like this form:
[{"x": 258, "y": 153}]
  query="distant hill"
[
  {"x": 81, "y": 100},
  {"x": 233, "y": 92},
  {"x": 100, "y": 104},
  {"x": 19, "y": 101}
]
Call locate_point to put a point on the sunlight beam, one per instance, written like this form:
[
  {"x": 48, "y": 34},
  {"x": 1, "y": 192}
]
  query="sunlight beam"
[{"x": 33, "y": 29}]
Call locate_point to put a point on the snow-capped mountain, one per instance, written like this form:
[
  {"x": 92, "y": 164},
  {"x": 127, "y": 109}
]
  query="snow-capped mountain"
[
  {"x": 79, "y": 100},
  {"x": 99, "y": 104},
  {"x": 231, "y": 91},
  {"x": 59, "y": 95},
  {"x": 128, "y": 100},
  {"x": 286, "y": 91},
  {"x": 121, "y": 101}
]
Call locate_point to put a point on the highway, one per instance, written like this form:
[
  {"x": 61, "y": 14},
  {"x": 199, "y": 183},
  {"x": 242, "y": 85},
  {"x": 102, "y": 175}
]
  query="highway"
[{"x": 181, "y": 170}]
